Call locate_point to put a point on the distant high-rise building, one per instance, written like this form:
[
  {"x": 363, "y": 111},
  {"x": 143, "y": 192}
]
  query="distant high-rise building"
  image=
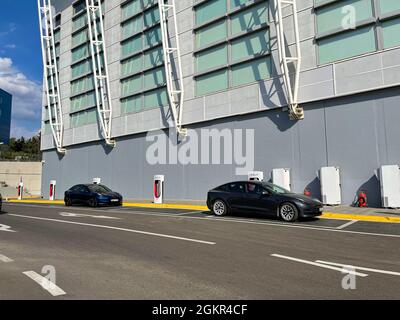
[{"x": 5, "y": 116}]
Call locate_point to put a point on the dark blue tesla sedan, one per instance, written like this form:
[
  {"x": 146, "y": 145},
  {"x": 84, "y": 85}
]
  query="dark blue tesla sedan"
[
  {"x": 93, "y": 195},
  {"x": 262, "y": 197}
]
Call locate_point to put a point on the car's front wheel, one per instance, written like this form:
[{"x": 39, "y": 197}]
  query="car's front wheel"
[
  {"x": 219, "y": 208},
  {"x": 289, "y": 212},
  {"x": 68, "y": 202},
  {"x": 93, "y": 202}
]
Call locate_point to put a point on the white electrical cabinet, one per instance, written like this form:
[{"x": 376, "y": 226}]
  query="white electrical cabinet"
[
  {"x": 390, "y": 186},
  {"x": 330, "y": 185},
  {"x": 281, "y": 177}
]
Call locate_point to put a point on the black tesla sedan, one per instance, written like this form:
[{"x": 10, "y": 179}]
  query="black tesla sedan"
[
  {"x": 93, "y": 195},
  {"x": 262, "y": 197}
]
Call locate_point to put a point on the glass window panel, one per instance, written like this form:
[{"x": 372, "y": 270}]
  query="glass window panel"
[
  {"x": 210, "y": 10},
  {"x": 148, "y": 3},
  {"x": 153, "y": 58},
  {"x": 132, "y": 85},
  {"x": 132, "y": 26},
  {"x": 238, "y": 3},
  {"x": 80, "y": 53},
  {"x": 84, "y": 84},
  {"x": 91, "y": 116},
  {"x": 251, "y": 71},
  {"x": 391, "y": 33},
  {"x": 79, "y": 22},
  {"x": 133, "y": 104},
  {"x": 81, "y": 68},
  {"x": 212, "y": 58},
  {"x": 90, "y": 99},
  {"x": 254, "y": 44},
  {"x": 132, "y": 65},
  {"x": 131, "y": 9},
  {"x": 151, "y": 17},
  {"x": 154, "y": 78},
  {"x": 57, "y": 36},
  {"x": 80, "y": 38},
  {"x": 387, "y": 6},
  {"x": 346, "y": 45},
  {"x": 152, "y": 37},
  {"x": 211, "y": 33},
  {"x": 212, "y": 82},
  {"x": 132, "y": 46},
  {"x": 155, "y": 98},
  {"x": 249, "y": 19},
  {"x": 330, "y": 18}
]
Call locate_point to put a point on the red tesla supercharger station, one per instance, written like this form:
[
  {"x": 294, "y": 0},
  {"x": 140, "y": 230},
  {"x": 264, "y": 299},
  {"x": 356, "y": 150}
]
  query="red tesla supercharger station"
[
  {"x": 20, "y": 190},
  {"x": 159, "y": 189},
  {"x": 52, "y": 191}
]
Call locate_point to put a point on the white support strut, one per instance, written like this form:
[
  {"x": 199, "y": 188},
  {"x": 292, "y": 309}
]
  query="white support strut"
[
  {"x": 174, "y": 76},
  {"x": 292, "y": 87},
  {"x": 52, "y": 85},
  {"x": 100, "y": 68}
]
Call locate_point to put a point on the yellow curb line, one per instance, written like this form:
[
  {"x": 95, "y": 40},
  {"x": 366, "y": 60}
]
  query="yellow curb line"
[
  {"x": 348, "y": 216},
  {"x": 325, "y": 215}
]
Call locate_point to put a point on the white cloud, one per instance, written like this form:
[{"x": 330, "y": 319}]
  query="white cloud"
[{"x": 27, "y": 96}]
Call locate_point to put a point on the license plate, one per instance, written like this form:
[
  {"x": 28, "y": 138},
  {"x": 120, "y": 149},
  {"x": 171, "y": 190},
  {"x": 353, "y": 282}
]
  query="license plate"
[
  {"x": 114, "y": 200},
  {"x": 321, "y": 209}
]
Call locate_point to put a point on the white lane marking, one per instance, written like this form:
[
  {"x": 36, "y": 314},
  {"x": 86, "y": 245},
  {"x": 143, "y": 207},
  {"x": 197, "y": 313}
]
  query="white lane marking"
[
  {"x": 5, "y": 228},
  {"x": 78, "y": 215},
  {"x": 213, "y": 218},
  {"x": 393, "y": 273},
  {"x": 343, "y": 270},
  {"x": 46, "y": 284},
  {"x": 5, "y": 259},
  {"x": 116, "y": 228},
  {"x": 185, "y": 213},
  {"x": 347, "y": 224}
]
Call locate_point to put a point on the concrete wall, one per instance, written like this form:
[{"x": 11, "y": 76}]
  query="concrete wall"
[
  {"x": 357, "y": 133},
  {"x": 363, "y": 73},
  {"x": 31, "y": 173}
]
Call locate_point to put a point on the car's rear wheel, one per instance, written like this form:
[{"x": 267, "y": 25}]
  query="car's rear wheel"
[
  {"x": 68, "y": 202},
  {"x": 219, "y": 208},
  {"x": 93, "y": 202},
  {"x": 288, "y": 212}
]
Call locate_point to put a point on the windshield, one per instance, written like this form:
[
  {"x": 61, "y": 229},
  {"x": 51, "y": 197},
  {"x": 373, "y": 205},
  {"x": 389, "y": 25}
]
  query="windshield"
[
  {"x": 99, "y": 188},
  {"x": 275, "y": 189}
]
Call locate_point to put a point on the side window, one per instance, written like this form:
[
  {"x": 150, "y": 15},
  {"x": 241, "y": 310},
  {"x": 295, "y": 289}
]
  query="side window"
[
  {"x": 254, "y": 188},
  {"x": 236, "y": 187},
  {"x": 83, "y": 189},
  {"x": 223, "y": 188}
]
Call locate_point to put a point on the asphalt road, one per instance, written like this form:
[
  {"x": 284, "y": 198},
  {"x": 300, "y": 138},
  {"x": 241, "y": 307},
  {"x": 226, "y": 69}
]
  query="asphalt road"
[{"x": 130, "y": 253}]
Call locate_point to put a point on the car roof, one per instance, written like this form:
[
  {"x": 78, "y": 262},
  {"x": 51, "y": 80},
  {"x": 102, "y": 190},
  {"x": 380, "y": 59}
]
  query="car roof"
[{"x": 244, "y": 181}]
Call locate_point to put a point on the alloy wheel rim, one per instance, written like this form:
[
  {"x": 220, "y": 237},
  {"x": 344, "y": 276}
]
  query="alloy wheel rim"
[
  {"x": 287, "y": 212},
  {"x": 219, "y": 208}
]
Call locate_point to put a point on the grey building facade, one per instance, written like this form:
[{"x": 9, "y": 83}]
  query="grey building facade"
[
  {"x": 348, "y": 88},
  {"x": 5, "y": 116}
]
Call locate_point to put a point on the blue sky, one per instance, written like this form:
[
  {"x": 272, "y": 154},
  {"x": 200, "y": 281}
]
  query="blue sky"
[{"x": 21, "y": 64}]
